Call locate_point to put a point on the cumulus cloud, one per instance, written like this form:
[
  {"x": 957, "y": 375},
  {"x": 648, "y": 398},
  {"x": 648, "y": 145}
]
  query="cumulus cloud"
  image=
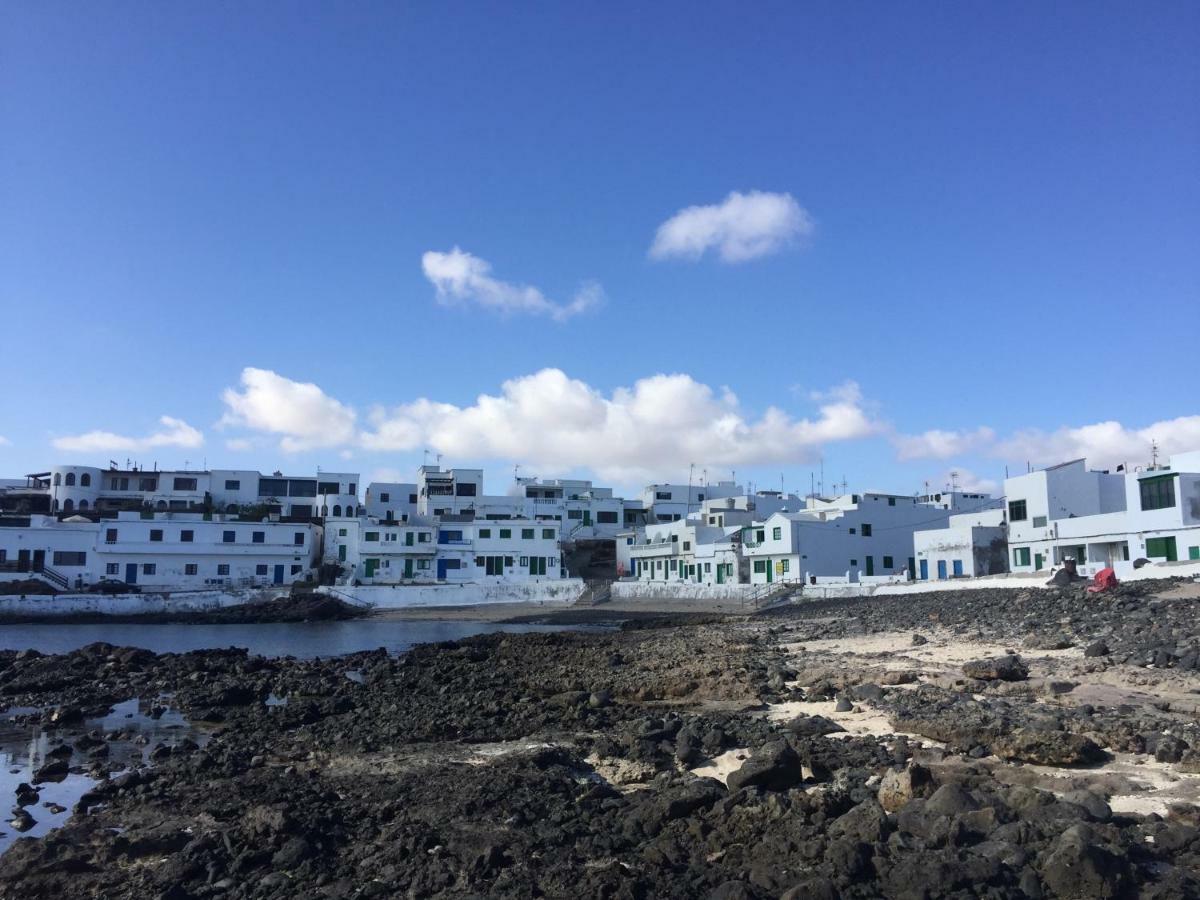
[
  {"x": 302, "y": 414},
  {"x": 1105, "y": 444},
  {"x": 659, "y": 424},
  {"x": 740, "y": 228},
  {"x": 460, "y": 277},
  {"x": 174, "y": 433},
  {"x": 938, "y": 444}
]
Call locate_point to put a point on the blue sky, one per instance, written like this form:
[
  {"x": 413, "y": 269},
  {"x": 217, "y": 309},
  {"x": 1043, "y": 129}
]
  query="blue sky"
[{"x": 981, "y": 248}]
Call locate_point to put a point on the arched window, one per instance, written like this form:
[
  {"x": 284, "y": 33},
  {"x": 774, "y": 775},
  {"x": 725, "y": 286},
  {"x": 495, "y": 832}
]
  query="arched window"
[
  {"x": 70, "y": 479},
  {"x": 57, "y": 479},
  {"x": 83, "y": 504},
  {"x": 68, "y": 505},
  {"x": 85, "y": 480},
  {"x": 337, "y": 510}
]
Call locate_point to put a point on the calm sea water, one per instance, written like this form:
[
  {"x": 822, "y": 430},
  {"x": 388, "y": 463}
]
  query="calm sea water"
[{"x": 300, "y": 639}]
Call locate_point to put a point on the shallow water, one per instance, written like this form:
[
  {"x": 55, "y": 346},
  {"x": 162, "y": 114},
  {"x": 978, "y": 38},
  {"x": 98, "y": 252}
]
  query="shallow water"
[
  {"x": 24, "y": 749},
  {"x": 301, "y": 639}
]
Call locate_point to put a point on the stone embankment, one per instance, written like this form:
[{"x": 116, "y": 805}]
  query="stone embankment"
[{"x": 956, "y": 746}]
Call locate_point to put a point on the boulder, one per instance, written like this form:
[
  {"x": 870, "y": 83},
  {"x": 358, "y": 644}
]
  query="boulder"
[
  {"x": 901, "y": 785},
  {"x": 999, "y": 668},
  {"x": 1097, "y": 648},
  {"x": 1047, "y": 748},
  {"x": 1079, "y": 867},
  {"x": 774, "y": 766}
]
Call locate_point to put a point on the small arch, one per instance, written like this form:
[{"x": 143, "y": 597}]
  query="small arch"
[
  {"x": 70, "y": 480},
  {"x": 337, "y": 509},
  {"x": 57, "y": 479},
  {"x": 83, "y": 504},
  {"x": 85, "y": 480},
  {"x": 68, "y": 506}
]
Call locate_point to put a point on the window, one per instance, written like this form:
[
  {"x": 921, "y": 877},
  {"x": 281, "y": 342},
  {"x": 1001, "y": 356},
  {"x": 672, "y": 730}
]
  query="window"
[
  {"x": 422, "y": 564},
  {"x": 891, "y": 501},
  {"x": 70, "y": 479},
  {"x": 155, "y": 535},
  {"x": 687, "y": 545},
  {"x": 1021, "y": 554},
  {"x": 777, "y": 533},
  {"x": 233, "y": 484},
  {"x": 272, "y": 487},
  {"x": 58, "y": 480},
  {"x": 112, "y": 568},
  {"x": 760, "y": 566},
  {"x": 866, "y": 530},
  {"x": 85, "y": 480},
  {"x": 302, "y": 487},
  {"x": 341, "y": 532},
  {"x": 148, "y": 568},
  {"x": 298, "y": 538},
  {"x": 887, "y": 562},
  {"x": 708, "y": 567},
  {"x": 854, "y": 531},
  {"x": 505, "y": 533},
  {"x": 147, "y": 484},
  {"x": 854, "y": 562},
  {"x": 673, "y": 565},
  {"x": 260, "y": 569},
  {"x": 328, "y": 487},
  {"x": 606, "y": 517},
  {"x": 69, "y": 558},
  {"x": 423, "y": 537},
  {"x": 186, "y": 536},
  {"x": 527, "y": 534},
  {"x": 784, "y": 566},
  {"x": 227, "y": 537},
  {"x": 223, "y": 568},
  {"x": 1016, "y": 511},
  {"x": 385, "y": 498},
  {"x": 295, "y": 570},
  {"x": 464, "y": 490},
  {"x": 760, "y": 535},
  {"x": 110, "y": 536},
  {"x": 371, "y": 536},
  {"x": 185, "y": 484},
  {"x": 1158, "y": 492},
  {"x": 574, "y": 513},
  {"x": 258, "y": 537},
  {"x": 485, "y": 533},
  {"x": 662, "y": 495},
  {"x": 1039, "y": 521},
  {"x": 412, "y": 498},
  {"x": 190, "y": 569},
  {"x": 547, "y": 534}
]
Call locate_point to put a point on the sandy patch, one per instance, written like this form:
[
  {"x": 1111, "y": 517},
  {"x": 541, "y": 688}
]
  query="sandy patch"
[{"x": 720, "y": 767}]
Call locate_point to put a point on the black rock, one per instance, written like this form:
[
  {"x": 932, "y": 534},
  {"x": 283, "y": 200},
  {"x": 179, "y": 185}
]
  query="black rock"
[{"x": 774, "y": 766}]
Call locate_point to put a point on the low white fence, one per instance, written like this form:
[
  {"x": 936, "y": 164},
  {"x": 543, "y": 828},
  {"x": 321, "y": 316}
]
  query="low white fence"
[
  {"x": 19, "y": 605},
  {"x": 407, "y": 596}
]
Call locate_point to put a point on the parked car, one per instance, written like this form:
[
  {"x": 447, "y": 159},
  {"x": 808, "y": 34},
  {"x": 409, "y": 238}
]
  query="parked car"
[{"x": 111, "y": 586}]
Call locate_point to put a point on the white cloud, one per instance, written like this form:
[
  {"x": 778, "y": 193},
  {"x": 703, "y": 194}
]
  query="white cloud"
[
  {"x": 1105, "y": 444},
  {"x": 239, "y": 445},
  {"x": 300, "y": 412},
  {"x": 657, "y": 426},
  {"x": 174, "y": 433},
  {"x": 740, "y": 228},
  {"x": 938, "y": 444},
  {"x": 966, "y": 480},
  {"x": 4, "y": 442},
  {"x": 460, "y": 277}
]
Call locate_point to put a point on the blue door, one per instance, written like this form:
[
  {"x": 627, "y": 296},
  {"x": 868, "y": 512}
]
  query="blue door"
[
  {"x": 941, "y": 569},
  {"x": 924, "y": 570},
  {"x": 441, "y": 570},
  {"x": 957, "y": 567},
  {"x": 279, "y": 574},
  {"x": 131, "y": 573}
]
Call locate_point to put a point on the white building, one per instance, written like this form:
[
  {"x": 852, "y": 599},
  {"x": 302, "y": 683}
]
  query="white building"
[
  {"x": 447, "y": 549},
  {"x": 391, "y": 501},
  {"x": 683, "y": 550},
  {"x": 671, "y": 502},
  {"x": 1100, "y": 518},
  {"x": 847, "y": 538},
  {"x": 172, "y": 550},
  {"x": 971, "y": 545},
  {"x": 90, "y": 489}
]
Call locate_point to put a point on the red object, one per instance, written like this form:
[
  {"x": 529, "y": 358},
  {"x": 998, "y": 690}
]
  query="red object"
[{"x": 1105, "y": 579}]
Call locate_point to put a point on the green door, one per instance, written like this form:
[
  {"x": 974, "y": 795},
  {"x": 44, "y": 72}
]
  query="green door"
[
  {"x": 870, "y": 565},
  {"x": 1037, "y": 562},
  {"x": 1156, "y": 547},
  {"x": 587, "y": 517},
  {"x": 341, "y": 552},
  {"x": 408, "y": 568},
  {"x": 370, "y": 564},
  {"x": 720, "y": 573},
  {"x": 770, "y": 571}
]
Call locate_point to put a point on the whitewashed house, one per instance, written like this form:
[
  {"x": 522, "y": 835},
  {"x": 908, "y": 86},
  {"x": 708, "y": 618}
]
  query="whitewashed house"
[
  {"x": 1101, "y": 518},
  {"x": 971, "y": 545},
  {"x": 847, "y": 538},
  {"x": 683, "y": 551},
  {"x": 166, "y": 551}
]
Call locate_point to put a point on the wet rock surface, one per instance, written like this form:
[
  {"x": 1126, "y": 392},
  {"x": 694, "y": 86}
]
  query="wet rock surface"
[{"x": 558, "y": 765}]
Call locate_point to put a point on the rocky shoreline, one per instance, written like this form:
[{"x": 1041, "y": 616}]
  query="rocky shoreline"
[{"x": 951, "y": 745}]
